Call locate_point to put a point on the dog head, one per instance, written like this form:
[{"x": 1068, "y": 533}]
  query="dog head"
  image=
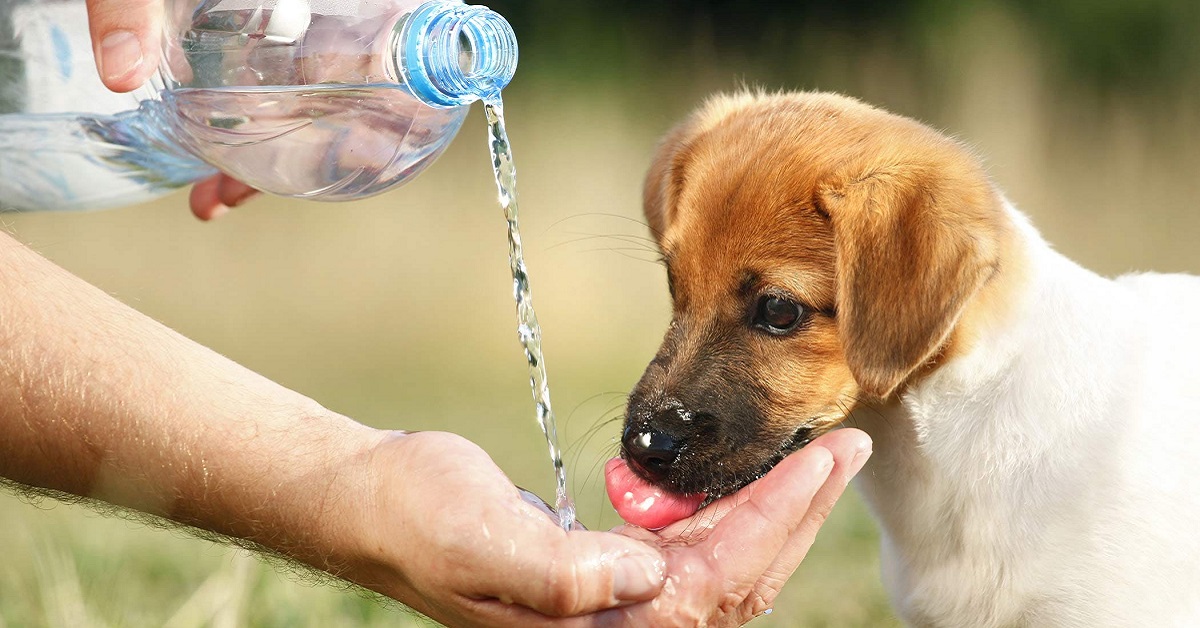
[{"x": 819, "y": 253}]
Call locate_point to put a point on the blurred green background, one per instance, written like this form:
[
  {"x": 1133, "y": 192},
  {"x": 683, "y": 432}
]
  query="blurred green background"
[{"x": 397, "y": 310}]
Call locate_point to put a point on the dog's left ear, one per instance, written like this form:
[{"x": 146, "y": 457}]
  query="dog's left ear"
[{"x": 913, "y": 245}]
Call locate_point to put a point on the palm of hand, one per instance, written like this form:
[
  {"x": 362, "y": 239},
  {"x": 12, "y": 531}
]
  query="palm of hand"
[{"x": 473, "y": 552}]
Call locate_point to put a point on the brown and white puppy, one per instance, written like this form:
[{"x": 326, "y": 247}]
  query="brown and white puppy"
[{"x": 828, "y": 260}]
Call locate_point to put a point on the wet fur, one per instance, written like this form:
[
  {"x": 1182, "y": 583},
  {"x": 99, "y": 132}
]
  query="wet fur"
[{"x": 1017, "y": 401}]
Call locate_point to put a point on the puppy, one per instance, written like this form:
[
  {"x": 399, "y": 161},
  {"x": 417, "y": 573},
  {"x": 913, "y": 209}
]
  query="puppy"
[{"x": 1035, "y": 425}]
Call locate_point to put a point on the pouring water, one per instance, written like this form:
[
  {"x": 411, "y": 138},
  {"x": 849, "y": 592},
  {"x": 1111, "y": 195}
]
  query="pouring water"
[{"x": 528, "y": 330}]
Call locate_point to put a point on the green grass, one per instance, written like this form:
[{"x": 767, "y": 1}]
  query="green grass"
[{"x": 68, "y": 567}]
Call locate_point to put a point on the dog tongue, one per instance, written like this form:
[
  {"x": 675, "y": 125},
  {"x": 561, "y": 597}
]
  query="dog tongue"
[{"x": 642, "y": 504}]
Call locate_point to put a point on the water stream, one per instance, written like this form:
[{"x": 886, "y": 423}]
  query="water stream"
[{"x": 528, "y": 330}]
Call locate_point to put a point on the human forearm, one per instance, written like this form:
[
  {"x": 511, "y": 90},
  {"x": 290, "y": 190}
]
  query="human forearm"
[{"x": 99, "y": 401}]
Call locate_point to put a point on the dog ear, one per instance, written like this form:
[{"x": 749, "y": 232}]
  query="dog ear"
[
  {"x": 665, "y": 178},
  {"x": 913, "y": 246}
]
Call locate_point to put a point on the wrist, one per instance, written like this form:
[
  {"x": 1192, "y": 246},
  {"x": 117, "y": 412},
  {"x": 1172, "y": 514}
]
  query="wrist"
[
  {"x": 292, "y": 481},
  {"x": 332, "y": 497},
  {"x": 405, "y": 513},
  {"x": 369, "y": 522},
  {"x": 344, "y": 511}
]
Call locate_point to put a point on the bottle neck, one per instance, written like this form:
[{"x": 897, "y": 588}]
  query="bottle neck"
[{"x": 450, "y": 54}]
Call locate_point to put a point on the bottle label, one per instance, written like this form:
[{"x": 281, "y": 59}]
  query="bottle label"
[{"x": 60, "y": 72}]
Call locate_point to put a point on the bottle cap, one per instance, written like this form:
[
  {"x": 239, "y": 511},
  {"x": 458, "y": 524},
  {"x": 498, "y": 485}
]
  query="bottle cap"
[{"x": 453, "y": 54}]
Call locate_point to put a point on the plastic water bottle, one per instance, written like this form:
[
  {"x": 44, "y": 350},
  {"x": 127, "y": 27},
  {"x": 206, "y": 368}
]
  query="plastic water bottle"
[{"x": 322, "y": 99}]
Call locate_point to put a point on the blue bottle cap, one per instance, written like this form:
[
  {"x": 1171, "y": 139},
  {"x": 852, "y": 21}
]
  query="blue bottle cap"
[{"x": 452, "y": 54}]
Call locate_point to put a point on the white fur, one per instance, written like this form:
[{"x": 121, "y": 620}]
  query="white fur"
[{"x": 1049, "y": 476}]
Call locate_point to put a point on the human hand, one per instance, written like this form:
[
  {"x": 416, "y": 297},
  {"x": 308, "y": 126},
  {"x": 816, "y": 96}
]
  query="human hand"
[
  {"x": 459, "y": 544},
  {"x": 126, "y": 40},
  {"x": 728, "y": 562}
]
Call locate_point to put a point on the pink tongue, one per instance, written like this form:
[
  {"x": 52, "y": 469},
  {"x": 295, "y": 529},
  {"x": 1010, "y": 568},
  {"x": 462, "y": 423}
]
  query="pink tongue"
[{"x": 642, "y": 504}]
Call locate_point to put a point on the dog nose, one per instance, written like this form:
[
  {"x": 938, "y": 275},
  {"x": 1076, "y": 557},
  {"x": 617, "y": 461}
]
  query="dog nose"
[{"x": 651, "y": 451}]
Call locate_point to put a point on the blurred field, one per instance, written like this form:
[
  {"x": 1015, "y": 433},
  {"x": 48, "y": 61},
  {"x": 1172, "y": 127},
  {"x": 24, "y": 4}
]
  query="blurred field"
[{"x": 397, "y": 310}]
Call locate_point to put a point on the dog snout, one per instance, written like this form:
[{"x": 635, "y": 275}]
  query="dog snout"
[{"x": 651, "y": 451}]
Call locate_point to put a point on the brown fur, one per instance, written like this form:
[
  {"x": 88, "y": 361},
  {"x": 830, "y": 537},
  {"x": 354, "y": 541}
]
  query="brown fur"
[{"x": 883, "y": 229}]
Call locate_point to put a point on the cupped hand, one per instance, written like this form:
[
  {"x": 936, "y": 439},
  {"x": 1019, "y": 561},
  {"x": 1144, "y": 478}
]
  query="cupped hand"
[
  {"x": 126, "y": 40},
  {"x": 468, "y": 550},
  {"x": 452, "y": 537},
  {"x": 728, "y": 562}
]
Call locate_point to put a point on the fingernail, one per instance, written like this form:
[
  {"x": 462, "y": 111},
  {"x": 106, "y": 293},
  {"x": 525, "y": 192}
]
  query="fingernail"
[
  {"x": 821, "y": 462},
  {"x": 860, "y": 458},
  {"x": 214, "y": 213},
  {"x": 826, "y": 462},
  {"x": 120, "y": 54},
  {"x": 638, "y": 577}
]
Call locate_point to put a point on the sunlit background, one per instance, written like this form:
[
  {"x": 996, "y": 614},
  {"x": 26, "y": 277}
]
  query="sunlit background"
[{"x": 398, "y": 310}]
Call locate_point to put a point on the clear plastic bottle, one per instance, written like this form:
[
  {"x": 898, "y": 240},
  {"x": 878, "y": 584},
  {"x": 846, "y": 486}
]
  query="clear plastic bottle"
[{"x": 322, "y": 99}]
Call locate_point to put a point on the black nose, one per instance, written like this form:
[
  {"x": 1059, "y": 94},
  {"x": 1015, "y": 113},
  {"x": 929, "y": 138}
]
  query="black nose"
[{"x": 651, "y": 451}]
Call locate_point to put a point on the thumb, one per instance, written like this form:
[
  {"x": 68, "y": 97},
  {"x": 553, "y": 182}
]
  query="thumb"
[
  {"x": 125, "y": 40},
  {"x": 581, "y": 572}
]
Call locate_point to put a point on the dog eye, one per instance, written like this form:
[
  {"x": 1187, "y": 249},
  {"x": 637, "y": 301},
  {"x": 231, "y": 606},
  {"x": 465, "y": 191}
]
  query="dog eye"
[{"x": 777, "y": 315}]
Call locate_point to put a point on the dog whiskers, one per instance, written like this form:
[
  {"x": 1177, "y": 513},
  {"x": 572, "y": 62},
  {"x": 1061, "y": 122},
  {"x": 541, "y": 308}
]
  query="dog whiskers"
[
  {"x": 642, "y": 243},
  {"x": 627, "y": 253},
  {"x": 631, "y": 219}
]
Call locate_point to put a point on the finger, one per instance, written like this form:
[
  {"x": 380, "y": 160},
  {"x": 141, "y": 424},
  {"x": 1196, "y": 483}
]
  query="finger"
[
  {"x": 728, "y": 565},
  {"x": 205, "y": 199},
  {"x": 751, "y": 536},
  {"x": 496, "y": 613},
  {"x": 851, "y": 448},
  {"x": 233, "y": 193},
  {"x": 563, "y": 575},
  {"x": 698, "y": 526},
  {"x": 125, "y": 40}
]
